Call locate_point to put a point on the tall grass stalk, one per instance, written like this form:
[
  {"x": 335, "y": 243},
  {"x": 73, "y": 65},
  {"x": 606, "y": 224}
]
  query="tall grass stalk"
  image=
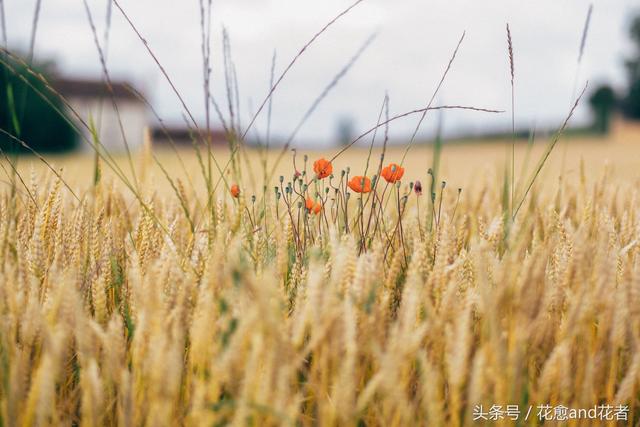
[
  {"x": 294, "y": 60},
  {"x": 107, "y": 77},
  {"x": 576, "y": 77},
  {"x": 548, "y": 151},
  {"x": 318, "y": 100},
  {"x": 513, "y": 117},
  {"x": 433, "y": 97}
]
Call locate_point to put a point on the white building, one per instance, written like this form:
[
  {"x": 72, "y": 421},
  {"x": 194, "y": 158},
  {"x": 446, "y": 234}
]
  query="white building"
[{"x": 92, "y": 99}]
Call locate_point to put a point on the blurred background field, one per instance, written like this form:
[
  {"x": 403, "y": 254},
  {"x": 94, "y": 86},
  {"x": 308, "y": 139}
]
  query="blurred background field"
[
  {"x": 330, "y": 94},
  {"x": 462, "y": 162}
]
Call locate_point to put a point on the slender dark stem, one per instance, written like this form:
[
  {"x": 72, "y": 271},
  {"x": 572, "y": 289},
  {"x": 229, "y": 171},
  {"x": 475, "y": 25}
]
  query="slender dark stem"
[
  {"x": 205, "y": 21},
  {"x": 42, "y": 159},
  {"x": 513, "y": 116},
  {"x": 293, "y": 61},
  {"x": 334, "y": 82},
  {"x": 433, "y": 97},
  {"x": 15, "y": 173},
  {"x": 269, "y": 115},
  {"x": 410, "y": 113},
  {"x": 549, "y": 149},
  {"x": 103, "y": 62},
  {"x": 456, "y": 207},
  {"x": 440, "y": 203}
]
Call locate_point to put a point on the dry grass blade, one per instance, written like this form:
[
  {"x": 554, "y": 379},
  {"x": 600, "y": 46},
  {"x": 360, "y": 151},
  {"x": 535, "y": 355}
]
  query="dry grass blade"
[
  {"x": 34, "y": 29},
  {"x": 165, "y": 131},
  {"x": 292, "y": 63},
  {"x": 334, "y": 82},
  {"x": 107, "y": 77},
  {"x": 42, "y": 159},
  {"x": 585, "y": 31},
  {"x": 548, "y": 151},
  {"x": 186, "y": 109},
  {"x": 15, "y": 173},
  {"x": 157, "y": 62},
  {"x": 433, "y": 97},
  {"x": 513, "y": 117},
  {"x": 411, "y": 113},
  {"x": 583, "y": 45}
]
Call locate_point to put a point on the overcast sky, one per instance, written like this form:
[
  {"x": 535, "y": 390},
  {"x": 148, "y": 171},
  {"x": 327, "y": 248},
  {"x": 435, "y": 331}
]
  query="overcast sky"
[{"x": 415, "y": 40}]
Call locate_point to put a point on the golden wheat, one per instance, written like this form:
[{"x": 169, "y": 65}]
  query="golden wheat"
[{"x": 115, "y": 312}]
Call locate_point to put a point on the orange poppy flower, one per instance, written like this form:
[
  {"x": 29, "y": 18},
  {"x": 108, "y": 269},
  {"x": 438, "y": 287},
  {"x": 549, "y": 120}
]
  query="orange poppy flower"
[
  {"x": 392, "y": 173},
  {"x": 308, "y": 204},
  {"x": 360, "y": 184},
  {"x": 317, "y": 208},
  {"x": 235, "y": 191},
  {"x": 323, "y": 168}
]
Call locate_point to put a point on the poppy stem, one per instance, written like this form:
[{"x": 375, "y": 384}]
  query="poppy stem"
[
  {"x": 401, "y": 231},
  {"x": 346, "y": 204},
  {"x": 287, "y": 202},
  {"x": 456, "y": 207},
  {"x": 419, "y": 222},
  {"x": 433, "y": 211},
  {"x": 444, "y": 184},
  {"x": 395, "y": 230},
  {"x": 249, "y": 215},
  {"x": 380, "y": 218},
  {"x": 361, "y": 217}
]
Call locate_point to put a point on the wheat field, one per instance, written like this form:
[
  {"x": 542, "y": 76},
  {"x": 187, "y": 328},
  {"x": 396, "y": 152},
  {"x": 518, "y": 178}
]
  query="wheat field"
[
  {"x": 458, "y": 284},
  {"x": 155, "y": 308}
]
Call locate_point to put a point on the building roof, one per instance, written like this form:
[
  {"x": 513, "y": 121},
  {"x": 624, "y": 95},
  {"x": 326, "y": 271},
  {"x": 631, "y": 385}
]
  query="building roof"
[
  {"x": 184, "y": 135},
  {"x": 89, "y": 89}
]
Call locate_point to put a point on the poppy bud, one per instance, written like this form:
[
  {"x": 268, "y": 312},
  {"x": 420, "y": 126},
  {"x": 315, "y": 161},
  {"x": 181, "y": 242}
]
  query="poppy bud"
[{"x": 417, "y": 187}]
